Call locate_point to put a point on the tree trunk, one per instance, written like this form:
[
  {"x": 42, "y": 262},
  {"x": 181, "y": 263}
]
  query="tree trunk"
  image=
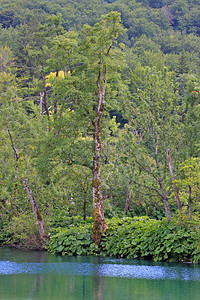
[
  {"x": 173, "y": 179},
  {"x": 55, "y": 100},
  {"x": 13, "y": 207},
  {"x": 41, "y": 102},
  {"x": 35, "y": 210},
  {"x": 99, "y": 224},
  {"x": 164, "y": 195},
  {"x": 128, "y": 198},
  {"x": 190, "y": 202},
  {"x": 165, "y": 202},
  {"x": 45, "y": 95}
]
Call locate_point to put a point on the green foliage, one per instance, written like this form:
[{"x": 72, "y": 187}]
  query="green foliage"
[
  {"x": 22, "y": 231},
  {"x": 138, "y": 237},
  {"x": 142, "y": 237},
  {"x": 63, "y": 219},
  {"x": 51, "y": 116},
  {"x": 189, "y": 182},
  {"x": 73, "y": 240}
]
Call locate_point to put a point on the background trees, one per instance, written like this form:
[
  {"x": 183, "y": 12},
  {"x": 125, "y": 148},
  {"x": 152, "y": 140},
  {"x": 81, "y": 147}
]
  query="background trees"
[
  {"x": 67, "y": 89},
  {"x": 157, "y": 121}
]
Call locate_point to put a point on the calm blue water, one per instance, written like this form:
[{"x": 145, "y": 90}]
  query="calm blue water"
[{"x": 39, "y": 275}]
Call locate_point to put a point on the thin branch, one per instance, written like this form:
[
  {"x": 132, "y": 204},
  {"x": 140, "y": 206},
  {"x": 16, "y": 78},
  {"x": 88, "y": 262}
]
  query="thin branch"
[
  {"x": 148, "y": 171},
  {"x": 29, "y": 99},
  {"x": 147, "y": 187},
  {"x": 13, "y": 146}
]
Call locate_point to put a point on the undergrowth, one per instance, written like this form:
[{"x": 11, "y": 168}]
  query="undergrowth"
[{"x": 138, "y": 237}]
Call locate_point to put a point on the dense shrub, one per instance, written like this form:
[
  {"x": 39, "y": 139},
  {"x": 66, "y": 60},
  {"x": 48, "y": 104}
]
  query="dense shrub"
[
  {"x": 153, "y": 239},
  {"x": 22, "y": 232},
  {"x": 63, "y": 219},
  {"x": 75, "y": 239},
  {"x": 139, "y": 237}
]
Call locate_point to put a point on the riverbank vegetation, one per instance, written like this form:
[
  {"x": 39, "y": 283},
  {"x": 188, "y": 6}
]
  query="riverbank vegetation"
[
  {"x": 138, "y": 237},
  {"x": 99, "y": 127}
]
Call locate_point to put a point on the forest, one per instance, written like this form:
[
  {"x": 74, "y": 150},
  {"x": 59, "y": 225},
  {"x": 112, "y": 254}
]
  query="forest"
[{"x": 99, "y": 127}]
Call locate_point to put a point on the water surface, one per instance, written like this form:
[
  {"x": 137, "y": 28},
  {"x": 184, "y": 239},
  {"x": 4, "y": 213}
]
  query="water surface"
[{"x": 39, "y": 275}]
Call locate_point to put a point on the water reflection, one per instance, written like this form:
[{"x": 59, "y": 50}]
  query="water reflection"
[
  {"x": 180, "y": 272},
  {"x": 38, "y": 275}
]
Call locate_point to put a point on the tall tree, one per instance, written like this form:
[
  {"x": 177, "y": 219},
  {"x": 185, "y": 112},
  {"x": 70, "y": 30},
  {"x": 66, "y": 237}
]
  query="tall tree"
[
  {"x": 91, "y": 64},
  {"x": 99, "y": 41}
]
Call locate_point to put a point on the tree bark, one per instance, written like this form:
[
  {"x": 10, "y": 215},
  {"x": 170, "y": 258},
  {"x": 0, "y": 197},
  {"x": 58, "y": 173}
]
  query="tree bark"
[
  {"x": 45, "y": 95},
  {"x": 16, "y": 171},
  {"x": 128, "y": 198},
  {"x": 55, "y": 100},
  {"x": 41, "y": 101},
  {"x": 165, "y": 201},
  {"x": 99, "y": 224},
  {"x": 173, "y": 179},
  {"x": 163, "y": 193},
  {"x": 35, "y": 210},
  {"x": 190, "y": 201}
]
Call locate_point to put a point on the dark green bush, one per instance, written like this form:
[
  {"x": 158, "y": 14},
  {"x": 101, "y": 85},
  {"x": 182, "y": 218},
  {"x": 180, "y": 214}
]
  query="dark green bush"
[
  {"x": 22, "y": 231},
  {"x": 62, "y": 218},
  {"x": 138, "y": 237},
  {"x": 152, "y": 239},
  {"x": 73, "y": 240}
]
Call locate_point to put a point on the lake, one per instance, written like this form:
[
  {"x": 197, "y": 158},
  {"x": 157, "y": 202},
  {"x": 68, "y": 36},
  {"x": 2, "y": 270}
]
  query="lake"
[{"x": 38, "y": 275}]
